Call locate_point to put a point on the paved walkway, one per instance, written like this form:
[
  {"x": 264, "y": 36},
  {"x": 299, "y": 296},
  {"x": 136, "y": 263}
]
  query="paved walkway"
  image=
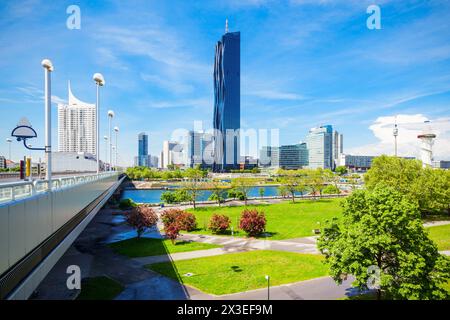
[{"x": 436, "y": 223}]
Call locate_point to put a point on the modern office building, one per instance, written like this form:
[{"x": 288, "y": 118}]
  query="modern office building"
[
  {"x": 319, "y": 142},
  {"x": 172, "y": 153},
  {"x": 441, "y": 164},
  {"x": 2, "y": 162},
  {"x": 143, "y": 157},
  {"x": 194, "y": 149},
  {"x": 227, "y": 105},
  {"x": 286, "y": 157},
  {"x": 338, "y": 147},
  {"x": 77, "y": 126},
  {"x": 358, "y": 162}
]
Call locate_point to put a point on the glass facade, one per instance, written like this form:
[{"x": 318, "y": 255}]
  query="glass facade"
[
  {"x": 320, "y": 147},
  {"x": 227, "y": 105},
  {"x": 143, "y": 158}
]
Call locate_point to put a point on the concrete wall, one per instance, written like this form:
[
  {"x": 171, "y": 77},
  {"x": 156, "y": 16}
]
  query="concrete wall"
[{"x": 27, "y": 222}]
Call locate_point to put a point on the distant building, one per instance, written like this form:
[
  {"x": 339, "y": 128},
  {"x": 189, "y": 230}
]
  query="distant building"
[
  {"x": 227, "y": 105},
  {"x": 77, "y": 126},
  {"x": 194, "y": 149},
  {"x": 286, "y": 157},
  {"x": 359, "y": 163},
  {"x": 172, "y": 153},
  {"x": 2, "y": 162},
  {"x": 143, "y": 158},
  {"x": 70, "y": 162},
  {"x": 337, "y": 147},
  {"x": 154, "y": 161},
  {"x": 441, "y": 164},
  {"x": 319, "y": 142}
]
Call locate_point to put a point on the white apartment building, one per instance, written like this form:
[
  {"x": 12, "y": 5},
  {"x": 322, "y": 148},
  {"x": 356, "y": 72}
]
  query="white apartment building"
[{"x": 77, "y": 127}]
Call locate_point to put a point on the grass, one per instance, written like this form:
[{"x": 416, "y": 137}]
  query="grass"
[
  {"x": 285, "y": 220},
  {"x": 154, "y": 247},
  {"x": 99, "y": 288},
  {"x": 441, "y": 236},
  {"x": 236, "y": 272}
]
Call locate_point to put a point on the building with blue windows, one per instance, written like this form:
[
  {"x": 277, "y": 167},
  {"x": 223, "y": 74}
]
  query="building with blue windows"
[
  {"x": 143, "y": 158},
  {"x": 227, "y": 102},
  {"x": 319, "y": 142}
]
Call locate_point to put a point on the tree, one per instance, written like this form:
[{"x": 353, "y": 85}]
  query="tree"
[
  {"x": 341, "y": 170},
  {"x": 293, "y": 181},
  {"x": 261, "y": 192},
  {"x": 194, "y": 185},
  {"x": 219, "y": 223},
  {"x": 243, "y": 185},
  {"x": 141, "y": 218},
  {"x": 169, "y": 197},
  {"x": 315, "y": 180},
  {"x": 218, "y": 193},
  {"x": 253, "y": 222},
  {"x": 382, "y": 230}
]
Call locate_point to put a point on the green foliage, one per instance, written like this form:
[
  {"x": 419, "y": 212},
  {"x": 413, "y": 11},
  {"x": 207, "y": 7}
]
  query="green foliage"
[
  {"x": 126, "y": 204},
  {"x": 330, "y": 189},
  {"x": 177, "y": 196},
  {"x": 382, "y": 227},
  {"x": 138, "y": 173},
  {"x": 168, "y": 197},
  {"x": 429, "y": 188},
  {"x": 341, "y": 170}
]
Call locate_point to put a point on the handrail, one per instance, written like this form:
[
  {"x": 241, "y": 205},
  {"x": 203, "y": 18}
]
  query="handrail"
[{"x": 8, "y": 190}]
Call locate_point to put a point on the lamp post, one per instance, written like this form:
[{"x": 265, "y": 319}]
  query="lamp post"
[
  {"x": 268, "y": 287},
  {"x": 110, "y": 116},
  {"x": 106, "y": 149},
  {"x": 99, "y": 81},
  {"x": 116, "y": 130},
  {"x": 48, "y": 66},
  {"x": 9, "y": 140}
]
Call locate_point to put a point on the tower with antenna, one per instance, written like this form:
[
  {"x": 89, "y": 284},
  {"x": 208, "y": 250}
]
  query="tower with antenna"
[
  {"x": 395, "y": 132},
  {"x": 427, "y": 140},
  {"x": 226, "y": 25}
]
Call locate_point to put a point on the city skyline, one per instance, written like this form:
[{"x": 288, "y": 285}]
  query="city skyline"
[{"x": 328, "y": 68}]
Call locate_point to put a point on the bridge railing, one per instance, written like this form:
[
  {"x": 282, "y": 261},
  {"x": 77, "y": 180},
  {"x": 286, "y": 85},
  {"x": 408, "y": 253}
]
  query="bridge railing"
[
  {"x": 11, "y": 191},
  {"x": 29, "y": 213}
]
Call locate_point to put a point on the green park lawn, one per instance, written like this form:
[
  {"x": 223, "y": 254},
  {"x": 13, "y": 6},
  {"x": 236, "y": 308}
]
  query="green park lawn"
[
  {"x": 154, "y": 247},
  {"x": 441, "y": 236},
  {"x": 99, "y": 288},
  {"x": 236, "y": 272},
  {"x": 285, "y": 220}
]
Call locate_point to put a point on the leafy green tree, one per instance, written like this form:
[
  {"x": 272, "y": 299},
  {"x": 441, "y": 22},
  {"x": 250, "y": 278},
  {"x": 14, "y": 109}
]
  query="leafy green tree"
[
  {"x": 293, "y": 181},
  {"x": 243, "y": 185},
  {"x": 193, "y": 185},
  {"x": 382, "y": 230},
  {"x": 168, "y": 197},
  {"x": 218, "y": 192},
  {"x": 341, "y": 170},
  {"x": 261, "y": 192}
]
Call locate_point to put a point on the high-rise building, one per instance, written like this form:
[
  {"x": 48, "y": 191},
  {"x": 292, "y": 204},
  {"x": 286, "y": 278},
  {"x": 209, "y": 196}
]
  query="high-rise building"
[
  {"x": 319, "y": 142},
  {"x": 143, "y": 157},
  {"x": 227, "y": 105},
  {"x": 77, "y": 126},
  {"x": 338, "y": 147},
  {"x": 293, "y": 156},
  {"x": 172, "y": 153},
  {"x": 194, "y": 149}
]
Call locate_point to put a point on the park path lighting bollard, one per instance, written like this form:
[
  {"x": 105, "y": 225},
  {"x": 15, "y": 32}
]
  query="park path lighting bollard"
[
  {"x": 99, "y": 81},
  {"x": 48, "y": 66},
  {"x": 116, "y": 130},
  {"x": 9, "y": 140},
  {"x": 110, "y": 116},
  {"x": 268, "y": 287}
]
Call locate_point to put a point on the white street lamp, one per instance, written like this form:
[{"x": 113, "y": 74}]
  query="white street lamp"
[
  {"x": 106, "y": 150},
  {"x": 116, "y": 130},
  {"x": 9, "y": 140},
  {"x": 110, "y": 116},
  {"x": 48, "y": 66},
  {"x": 99, "y": 81}
]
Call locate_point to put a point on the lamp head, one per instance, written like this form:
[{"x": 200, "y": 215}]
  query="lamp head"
[
  {"x": 47, "y": 64},
  {"x": 116, "y": 129},
  {"x": 8, "y": 140},
  {"x": 98, "y": 78},
  {"x": 105, "y": 137},
  {"x": 111, "y": 113}
]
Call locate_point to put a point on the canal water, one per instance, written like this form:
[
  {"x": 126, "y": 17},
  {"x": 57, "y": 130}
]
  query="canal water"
[{"x": 154, "y": 195}]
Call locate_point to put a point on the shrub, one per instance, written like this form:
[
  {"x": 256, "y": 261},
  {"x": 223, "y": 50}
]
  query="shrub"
[
  {"x": 127, "y": 204},
  {"x": 330, "y": 189},
  {"x": 252, "y": 222},
  {"x": 219, "y": 223},
  {"x": 172, "y": 232},
  {"x": 141, "y": 218},
  {"x": 183, "y": 219},
  {"x": 168, "y": 197}
]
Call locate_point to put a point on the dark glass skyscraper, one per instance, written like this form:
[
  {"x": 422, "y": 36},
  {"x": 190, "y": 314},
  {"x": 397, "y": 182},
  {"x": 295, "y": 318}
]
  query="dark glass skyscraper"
[
  {"x": 142, "y": 150},
  {"x": 227, "y": 101}
]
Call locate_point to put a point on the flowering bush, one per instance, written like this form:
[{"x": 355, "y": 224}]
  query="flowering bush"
[
  {"x": 219, "y": 223},
  {"x": 252, "y": 222},
  {"x": 184, "y": 220},
  {"x": 141, "y": 218},
  {"x": 172, "y": 232}
]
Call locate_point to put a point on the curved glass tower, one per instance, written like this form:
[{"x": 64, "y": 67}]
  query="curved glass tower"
[{"x": 227, "y": 102}]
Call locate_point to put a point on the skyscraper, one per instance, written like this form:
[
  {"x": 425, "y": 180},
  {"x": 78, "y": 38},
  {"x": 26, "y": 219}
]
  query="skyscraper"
[
  {"x": 77, "y": 126},
  {"x": 227, "y": 105},
  {"x": 319, "y": 142},
  {"x": 143, "y": 150}
]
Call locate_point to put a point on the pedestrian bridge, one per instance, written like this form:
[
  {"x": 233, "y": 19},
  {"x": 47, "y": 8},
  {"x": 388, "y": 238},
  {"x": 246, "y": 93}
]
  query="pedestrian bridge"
[{"x": 37, "y": 225}]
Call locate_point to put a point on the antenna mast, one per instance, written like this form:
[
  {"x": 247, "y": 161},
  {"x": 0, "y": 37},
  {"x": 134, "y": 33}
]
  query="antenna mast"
[
  {"x": 226, "y": 26},
  {"x": 395, "y": 135}
]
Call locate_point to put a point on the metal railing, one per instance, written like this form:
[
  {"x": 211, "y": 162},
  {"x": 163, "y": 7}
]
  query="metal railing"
[{"x": 12, "y": 191}]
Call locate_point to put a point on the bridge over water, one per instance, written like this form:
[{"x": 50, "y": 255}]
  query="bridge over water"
[{"x": 38, "y": 224}]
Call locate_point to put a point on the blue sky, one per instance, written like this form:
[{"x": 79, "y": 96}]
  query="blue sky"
[{"x": 303, "y": 63}]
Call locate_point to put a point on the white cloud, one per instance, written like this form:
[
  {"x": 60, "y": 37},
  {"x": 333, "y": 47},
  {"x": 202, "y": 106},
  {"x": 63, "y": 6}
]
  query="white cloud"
[
  {"x": 173, "y": 85},
  {"x": 409, "y": 126},
  {"x": 276, "y": 95}
]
